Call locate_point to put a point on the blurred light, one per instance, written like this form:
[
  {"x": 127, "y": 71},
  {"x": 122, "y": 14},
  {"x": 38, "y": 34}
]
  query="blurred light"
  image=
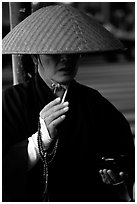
[
  {"x": 66, "y": 2},
  {"x": 35, "y": 3}
]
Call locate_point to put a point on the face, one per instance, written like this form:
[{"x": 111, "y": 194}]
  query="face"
[{"x": 59, "y": 68}]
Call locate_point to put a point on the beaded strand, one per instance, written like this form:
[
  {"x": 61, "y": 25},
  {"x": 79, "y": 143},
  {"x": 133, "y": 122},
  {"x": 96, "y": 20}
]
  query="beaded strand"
[
  {"x": 45, "y": 157},
  {"x": 42, "y": 151}
]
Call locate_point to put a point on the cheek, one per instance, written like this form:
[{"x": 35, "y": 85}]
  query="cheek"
[
  {"x": 45, "y": 60},
  {"x": 48, "y": 65},
  {"x": 45, "y": 63}
]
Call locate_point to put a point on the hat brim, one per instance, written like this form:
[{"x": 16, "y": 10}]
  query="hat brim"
[{"x": 59, "y": 30}]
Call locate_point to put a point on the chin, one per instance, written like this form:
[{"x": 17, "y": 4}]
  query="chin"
[{"x": 65, "y": 80}]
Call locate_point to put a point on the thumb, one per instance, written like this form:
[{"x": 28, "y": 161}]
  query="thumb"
[{"x": 123, "y": 176}]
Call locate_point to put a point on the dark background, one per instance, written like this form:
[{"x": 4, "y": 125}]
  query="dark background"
[{"x": 112, "y": 75}]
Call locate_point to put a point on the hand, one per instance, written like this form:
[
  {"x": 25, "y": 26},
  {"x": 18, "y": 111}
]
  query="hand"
[
  {"x": 109, "y": 177},
  {"x": 53, "y": 114},
  {"x": 116, "y": 180}
]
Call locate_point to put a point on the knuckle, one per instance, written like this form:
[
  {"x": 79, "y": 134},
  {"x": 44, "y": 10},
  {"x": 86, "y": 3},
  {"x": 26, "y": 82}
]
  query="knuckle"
[
  {"x": 57, "y": 107},
  {"x": 60, "y": 112},
  {"x": 54, "y": 108},
  {"x": 52, "y": 117},
  {"x": 53, "y": 125},
  {"x": 55, "y": 115}
]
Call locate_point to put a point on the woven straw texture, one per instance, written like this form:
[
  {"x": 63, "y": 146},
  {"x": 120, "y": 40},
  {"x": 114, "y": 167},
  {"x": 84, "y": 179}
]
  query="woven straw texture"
[{"x": 56, "y": 30}]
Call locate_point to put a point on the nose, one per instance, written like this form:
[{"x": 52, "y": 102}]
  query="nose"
[{"x": 64, "y": 58}]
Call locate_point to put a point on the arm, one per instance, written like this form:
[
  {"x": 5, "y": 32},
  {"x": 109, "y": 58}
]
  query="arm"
[
  {"x": 50, "y": 117},
  {"x": 117, "y": 142},
  {"x": 16, "y": 151},
  {"x": 118, "y": 185}
]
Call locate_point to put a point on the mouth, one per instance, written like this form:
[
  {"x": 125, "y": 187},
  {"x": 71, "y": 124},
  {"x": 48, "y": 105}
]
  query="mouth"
[{"x": 66, "y": 68}]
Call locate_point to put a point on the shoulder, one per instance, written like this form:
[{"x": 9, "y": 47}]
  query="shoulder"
[
  {"x": 87, "y": 91},
  {"x": 108, "y": 120},
  {"x": 90, "y": 94},
  {"x": 17, "y": 89},
  {"x": 100, "y": 104}
]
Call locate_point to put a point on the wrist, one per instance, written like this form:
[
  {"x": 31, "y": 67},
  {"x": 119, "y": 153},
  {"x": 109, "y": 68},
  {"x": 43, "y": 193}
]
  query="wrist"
[
  {"x": 34, "y": 139},
  {"x": 45, "y": 137},
  {"x": 33, "y": 154}
]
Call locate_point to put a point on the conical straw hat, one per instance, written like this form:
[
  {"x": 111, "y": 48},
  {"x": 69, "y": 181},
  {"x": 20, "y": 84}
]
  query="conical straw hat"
[{"x": 59, "y": 29}]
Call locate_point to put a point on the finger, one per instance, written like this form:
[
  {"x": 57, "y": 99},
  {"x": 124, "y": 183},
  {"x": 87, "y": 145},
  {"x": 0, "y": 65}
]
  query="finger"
[
  {"x": 108, "y": 179},
  {"x": 102, "y": 175},
  {"x": 56, "y": 122},
  {"x": 55, "y": 115},
  {"x": 49, "y": 105},
  {"x": 112, "y": 176},
  {"x": 104, "y": 178},
  {"x": 55, "y": 109},
  {"x": 122, "y": 175}
]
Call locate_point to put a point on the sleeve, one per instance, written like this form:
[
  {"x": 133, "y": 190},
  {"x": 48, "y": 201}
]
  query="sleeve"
[
  {"x": 14, "y": 147},
  {"x": 117, "y": 139},
  {"x": 118, "y": 130}
]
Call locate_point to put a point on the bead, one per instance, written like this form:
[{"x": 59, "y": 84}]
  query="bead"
[{"x": 45, "y": 157}]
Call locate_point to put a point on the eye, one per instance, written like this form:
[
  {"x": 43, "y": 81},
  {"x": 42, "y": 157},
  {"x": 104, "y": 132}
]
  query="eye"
[{"x": 66, "y": 57}]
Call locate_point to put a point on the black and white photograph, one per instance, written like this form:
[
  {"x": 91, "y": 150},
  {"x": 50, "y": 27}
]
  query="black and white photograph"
[{"x": 68, "y": 101}]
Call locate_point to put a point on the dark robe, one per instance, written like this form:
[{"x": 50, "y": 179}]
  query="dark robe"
[{"x": 93, "y": 128}]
